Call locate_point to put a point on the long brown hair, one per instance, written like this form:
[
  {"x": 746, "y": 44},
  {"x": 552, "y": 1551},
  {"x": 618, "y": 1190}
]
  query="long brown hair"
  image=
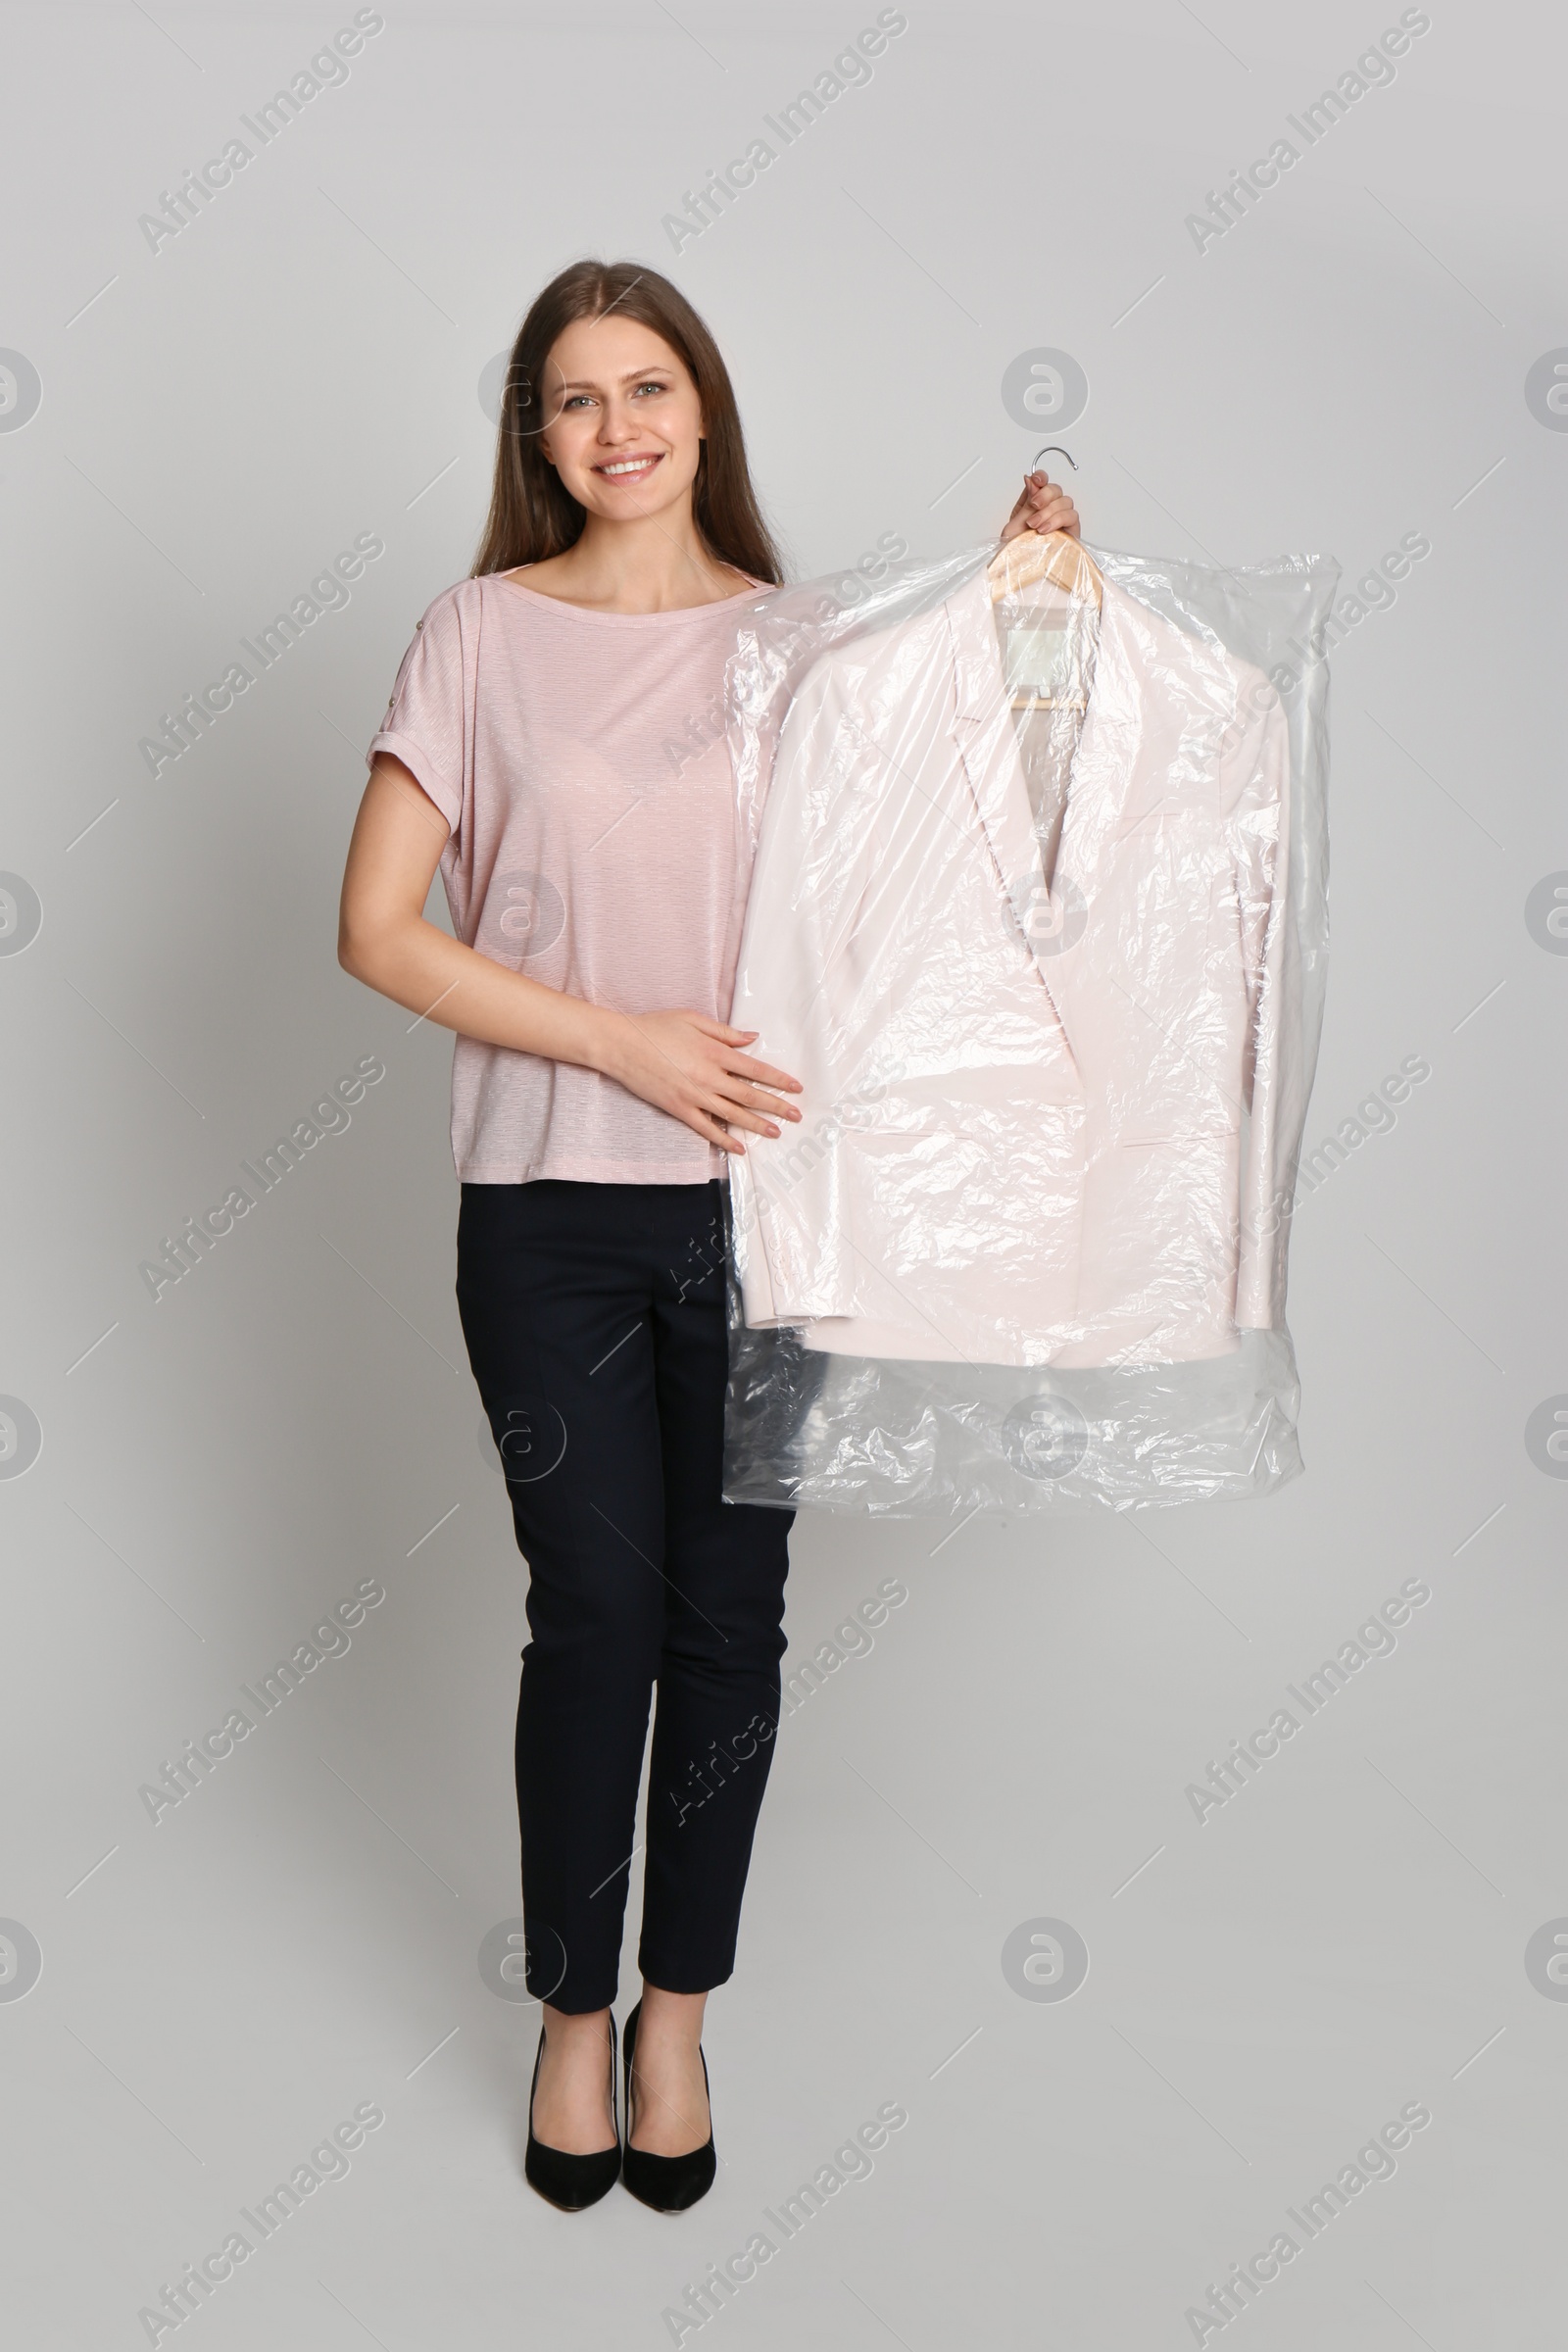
[{"x": 533, "y": 515}]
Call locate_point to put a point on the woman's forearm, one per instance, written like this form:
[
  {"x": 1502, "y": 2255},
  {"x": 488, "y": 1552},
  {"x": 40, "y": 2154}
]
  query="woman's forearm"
[
  {"x": 681, "y": 1061},
  {"x": 420, "y": 966}
]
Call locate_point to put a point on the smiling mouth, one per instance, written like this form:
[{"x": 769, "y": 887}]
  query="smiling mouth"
[{"x": 629, "y": 469}]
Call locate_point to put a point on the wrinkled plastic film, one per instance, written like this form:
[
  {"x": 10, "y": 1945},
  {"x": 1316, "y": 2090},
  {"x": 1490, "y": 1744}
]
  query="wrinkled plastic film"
[{"x": 1038, "y": 916}]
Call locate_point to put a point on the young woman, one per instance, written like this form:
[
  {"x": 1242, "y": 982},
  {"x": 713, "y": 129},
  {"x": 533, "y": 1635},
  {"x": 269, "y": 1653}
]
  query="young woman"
[{"x": 546, "y": 745}]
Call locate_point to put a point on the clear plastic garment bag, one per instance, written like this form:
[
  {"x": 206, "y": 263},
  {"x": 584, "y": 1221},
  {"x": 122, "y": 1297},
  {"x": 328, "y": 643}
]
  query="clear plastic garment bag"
[{"x": 1038, "y": 916}]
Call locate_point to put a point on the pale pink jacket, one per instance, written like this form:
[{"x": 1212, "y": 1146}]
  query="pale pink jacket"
[{"x": 1037, "y": 1130}]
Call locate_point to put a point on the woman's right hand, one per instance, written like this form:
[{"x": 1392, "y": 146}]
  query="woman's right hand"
[{"x": 695, "y": 1068}]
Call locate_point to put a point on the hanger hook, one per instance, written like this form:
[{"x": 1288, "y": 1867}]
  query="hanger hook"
[{"x": 1053, "y": 449}]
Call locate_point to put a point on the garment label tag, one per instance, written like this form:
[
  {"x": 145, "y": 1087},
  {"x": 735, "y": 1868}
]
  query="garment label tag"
[{"x": 1037, "y": 657}]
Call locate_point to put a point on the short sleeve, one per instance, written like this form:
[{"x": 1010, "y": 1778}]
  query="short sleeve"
[{"x": 427, "y": 724}]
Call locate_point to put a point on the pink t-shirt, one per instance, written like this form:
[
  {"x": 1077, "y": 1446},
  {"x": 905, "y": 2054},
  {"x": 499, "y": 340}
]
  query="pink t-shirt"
[{"x": 581, "y": 760}]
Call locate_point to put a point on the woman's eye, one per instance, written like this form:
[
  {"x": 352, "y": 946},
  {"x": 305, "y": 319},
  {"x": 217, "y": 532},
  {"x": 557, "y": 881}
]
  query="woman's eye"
[{"x": 653, "y": 387}]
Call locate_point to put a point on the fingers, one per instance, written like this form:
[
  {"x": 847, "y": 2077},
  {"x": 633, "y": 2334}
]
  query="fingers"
[
  {"x": 718, "y": 1119},
  {"x": 736, "y": 1115},
  {"x": 1050, "y": 506},
  {"x": 1019, "y": 519},
  {"x": 717, "y": 1127},
  {"x": 708, "y": 1124},
  {"x": 752, "y": 1107},
  {"x": 1042, "y": 506},
  {"x": 763, "y": 1073},
  {"x": 744, "y": 1061},
  {"x": 761, "y": 1098}
]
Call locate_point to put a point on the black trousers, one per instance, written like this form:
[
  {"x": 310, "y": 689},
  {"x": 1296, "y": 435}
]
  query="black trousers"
[{"x": 594, "y": 1316}]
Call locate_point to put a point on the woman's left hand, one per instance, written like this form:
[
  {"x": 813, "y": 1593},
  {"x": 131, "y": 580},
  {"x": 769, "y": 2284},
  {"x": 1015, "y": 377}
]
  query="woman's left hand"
[{"x": 1042, "y": 506}]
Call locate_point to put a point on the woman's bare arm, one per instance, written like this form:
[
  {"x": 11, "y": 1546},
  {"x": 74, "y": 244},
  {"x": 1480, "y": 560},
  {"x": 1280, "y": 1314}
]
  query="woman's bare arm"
[{"x": 683, "y": 1063}]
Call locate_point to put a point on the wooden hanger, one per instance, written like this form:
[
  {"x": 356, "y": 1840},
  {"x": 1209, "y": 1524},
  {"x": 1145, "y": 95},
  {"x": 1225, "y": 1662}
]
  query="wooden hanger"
[{"x": 1032, "y": 557}]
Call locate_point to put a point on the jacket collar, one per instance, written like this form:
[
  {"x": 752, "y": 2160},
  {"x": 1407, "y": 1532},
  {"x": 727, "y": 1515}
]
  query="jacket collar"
[
  {"x": 981, "y": 685},
  {"x": 988, "y": 744}
]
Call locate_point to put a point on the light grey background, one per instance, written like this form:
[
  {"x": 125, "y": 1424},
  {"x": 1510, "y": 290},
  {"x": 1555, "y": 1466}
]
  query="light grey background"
[{"x": 1267, "y": 1988}]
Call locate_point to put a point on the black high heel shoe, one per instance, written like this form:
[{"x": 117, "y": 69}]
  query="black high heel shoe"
[
  {"x": 669, "y": 2184},
  {"x": 566, "y": 2180}
]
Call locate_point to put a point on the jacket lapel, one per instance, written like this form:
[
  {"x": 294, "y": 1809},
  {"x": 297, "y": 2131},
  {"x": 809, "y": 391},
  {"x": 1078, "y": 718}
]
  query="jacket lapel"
[{"x": 987, "y": 743}]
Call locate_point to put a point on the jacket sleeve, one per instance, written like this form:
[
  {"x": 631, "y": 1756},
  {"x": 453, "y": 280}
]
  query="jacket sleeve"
[
  {"x": 782, "y": 1191},
  {"x": 1257, "y": 796}
]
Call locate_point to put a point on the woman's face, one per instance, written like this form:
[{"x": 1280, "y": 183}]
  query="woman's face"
[{"x": 625, "y": 428}]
